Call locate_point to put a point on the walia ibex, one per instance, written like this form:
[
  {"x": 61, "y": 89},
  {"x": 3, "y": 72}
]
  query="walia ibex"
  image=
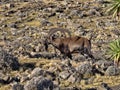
[{"x": 69, "y": 45}]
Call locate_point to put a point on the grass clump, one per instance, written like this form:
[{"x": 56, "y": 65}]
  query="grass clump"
[
  {"x": 114, "y": 9},
  {"x": 114, "y": 51}
]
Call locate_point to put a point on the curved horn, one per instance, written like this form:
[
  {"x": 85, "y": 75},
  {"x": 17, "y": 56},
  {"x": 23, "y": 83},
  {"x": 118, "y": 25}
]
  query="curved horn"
[{"x": 62, "y": 30}]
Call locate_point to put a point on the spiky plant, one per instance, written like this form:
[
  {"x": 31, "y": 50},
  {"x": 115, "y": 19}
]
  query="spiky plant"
[
  {"x": 114, "y": 9},
  {"x": 114, "y": 51}
]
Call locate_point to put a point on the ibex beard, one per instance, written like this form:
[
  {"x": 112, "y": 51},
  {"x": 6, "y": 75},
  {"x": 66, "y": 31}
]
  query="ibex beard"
[{"x": 70, "y": 45}]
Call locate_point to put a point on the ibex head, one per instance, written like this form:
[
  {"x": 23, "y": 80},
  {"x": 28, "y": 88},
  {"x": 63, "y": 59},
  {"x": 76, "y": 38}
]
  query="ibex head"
[{"x": 51, "y": 37}]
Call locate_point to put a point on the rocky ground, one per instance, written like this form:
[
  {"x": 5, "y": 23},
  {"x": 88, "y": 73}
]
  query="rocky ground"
[{"x": 26, "y": 66}]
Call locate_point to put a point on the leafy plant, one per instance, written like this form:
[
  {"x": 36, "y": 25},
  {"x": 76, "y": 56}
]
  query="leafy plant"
[
  {"x": 114, "y": 51},
  {"x": 114, "y": 9}
]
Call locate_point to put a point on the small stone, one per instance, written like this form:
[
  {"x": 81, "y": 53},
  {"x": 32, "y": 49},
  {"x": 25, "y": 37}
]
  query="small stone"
[
  {"x": 64, "y": 74},
  {"x": 82, "y": 14},
  {"x": 83, "y": 68},
  {"x": 91, "y": 80},
  {"x": 45, "y": 22},
  {"x": 10, "y": 5},
  {"x": 72, "y": 79},
  {"x": 88, "y": 74},
  {"x": 66, "y": 62}
]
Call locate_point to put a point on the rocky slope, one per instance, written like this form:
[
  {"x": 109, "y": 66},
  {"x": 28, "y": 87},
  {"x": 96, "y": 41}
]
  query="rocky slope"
[{"x": 25, "y": 23}]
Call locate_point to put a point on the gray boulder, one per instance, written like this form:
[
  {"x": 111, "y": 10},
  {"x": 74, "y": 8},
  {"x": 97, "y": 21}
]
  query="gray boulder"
[
  {"x": 8, "y": 61},
  {"x": 39, "y": 83},
  {"x": 75, "y": 77},
  {"x": 112, "y": 70}
]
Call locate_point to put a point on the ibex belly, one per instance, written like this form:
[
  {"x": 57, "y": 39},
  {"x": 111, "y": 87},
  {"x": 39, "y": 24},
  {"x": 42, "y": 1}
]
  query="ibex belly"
[{"x": 75, "y": 48}]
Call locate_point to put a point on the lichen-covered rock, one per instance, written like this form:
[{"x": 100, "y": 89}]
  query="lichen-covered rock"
[
  {"x": 75, "y": 77},
  {"x": 83, "y": 68},
  {"x": 17, "y": 87},
  {"x": 8, "y": 61},
  {"x": 36, "y": 72},
  {"x": 102, "y": 65},
  {"x": 88, "y": 73},
  {"x": 64, "y": 74},
  {"x": 39, "y": 83},
  {"x": 112, "y": 70}
]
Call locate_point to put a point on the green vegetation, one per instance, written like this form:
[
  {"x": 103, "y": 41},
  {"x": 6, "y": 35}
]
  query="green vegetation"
[
  {"x": 114, "y": 8},
  {"x": 114, "y": 51}
]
